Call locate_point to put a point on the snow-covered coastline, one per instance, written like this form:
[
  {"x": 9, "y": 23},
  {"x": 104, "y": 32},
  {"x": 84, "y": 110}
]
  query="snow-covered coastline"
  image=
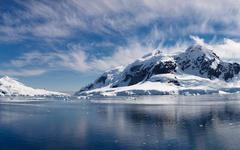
[
  {"x": 12, "y": 87},
  {"x": 196, "y": 71}
]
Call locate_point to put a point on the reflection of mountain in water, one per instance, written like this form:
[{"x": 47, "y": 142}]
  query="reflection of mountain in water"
[
  {"x": 200, "y": 123},
  {"x": 182, "y": 127}
]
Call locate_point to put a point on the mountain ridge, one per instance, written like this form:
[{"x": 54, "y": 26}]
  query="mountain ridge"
[
  {"x": 12, "y": 87},
  {"x": 196, "y": 62}
]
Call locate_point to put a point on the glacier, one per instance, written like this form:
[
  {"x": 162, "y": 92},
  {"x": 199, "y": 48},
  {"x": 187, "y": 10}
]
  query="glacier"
[{"x": 195, "y": 71}]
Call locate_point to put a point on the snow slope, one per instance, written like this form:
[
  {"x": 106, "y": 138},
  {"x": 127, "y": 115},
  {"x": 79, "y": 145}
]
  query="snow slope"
[
  {"x": 197, "y": 70},
  {"x": 11, "y": 87}
]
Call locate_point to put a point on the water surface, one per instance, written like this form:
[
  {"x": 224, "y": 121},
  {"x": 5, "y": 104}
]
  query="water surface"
[{"x": 157, "y": 122}]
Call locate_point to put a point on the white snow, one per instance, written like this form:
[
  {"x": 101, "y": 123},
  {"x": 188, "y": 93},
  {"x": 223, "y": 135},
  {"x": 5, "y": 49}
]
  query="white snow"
[
  {"x": 194, "y": 54},
  {"x": 11, "y": 87},
  {"x": 189, "y": 85},
  {"x": 181, "y": 82}
]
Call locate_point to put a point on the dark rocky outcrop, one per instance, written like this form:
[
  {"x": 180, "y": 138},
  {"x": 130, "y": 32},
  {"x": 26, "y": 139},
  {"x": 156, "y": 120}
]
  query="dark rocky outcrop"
[
  {"x": 196, "y": 60},
  {"x": 138, "y": 73},
  {"x": 203, "y": 62}
]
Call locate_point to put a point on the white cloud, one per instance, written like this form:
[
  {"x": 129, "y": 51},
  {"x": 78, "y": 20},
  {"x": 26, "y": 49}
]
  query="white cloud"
[
  {"x": 228, "y": 49},
  {"x": 23, "y": 72},
  {"x": 60, "y": 19},
  {"x": 76, "y": 59},
  {"x": 197, "y": 40},
  {"x": 73, "y": 60},
  {"x": 122, "y": 56},
  {"x": 51, "y": 30}
]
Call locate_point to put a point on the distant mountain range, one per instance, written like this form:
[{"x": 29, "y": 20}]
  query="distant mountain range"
[
  {"x": 198, "y": 70},
  {"x": 11, "y": 87}
]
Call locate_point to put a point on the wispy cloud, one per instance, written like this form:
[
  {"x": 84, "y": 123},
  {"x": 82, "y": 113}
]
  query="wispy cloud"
[
  {"x": 157, "y": 20},
  {"x": 22, "y": 72},
  {"x": 61, "y": 19},
  {"x": 76, "y": 59},
  {"x": 49, "y": 61},
  {"x": 122, "y": 56},
  {"x": 227, "y": 49}
]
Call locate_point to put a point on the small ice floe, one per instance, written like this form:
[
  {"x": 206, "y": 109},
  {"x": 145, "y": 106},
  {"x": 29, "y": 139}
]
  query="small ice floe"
[
  {"x": 131, "y": 98},
  {"x": 66, "y": 99},
  {"x": 37, "y": 98},
  {"x": 83, "y": 97},
  {"x": 222, "y": 92}
]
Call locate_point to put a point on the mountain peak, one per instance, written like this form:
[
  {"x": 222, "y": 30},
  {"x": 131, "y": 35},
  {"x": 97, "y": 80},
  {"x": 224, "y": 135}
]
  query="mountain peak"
[
  {"x": 196, "y": 47},
  {"x": 6, "y": 77},
  {"x": 12, "y": 87},
  {"x": 196, "y": 64},
  {"x": 198, "y": 56},
  {"x": 9, "y": 80},
  {"x": 199, "y": 51},
  {"x": 155, "y": 52}
]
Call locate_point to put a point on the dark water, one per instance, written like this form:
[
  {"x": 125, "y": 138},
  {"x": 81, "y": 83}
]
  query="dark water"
[{"x": 203, "y": 122}]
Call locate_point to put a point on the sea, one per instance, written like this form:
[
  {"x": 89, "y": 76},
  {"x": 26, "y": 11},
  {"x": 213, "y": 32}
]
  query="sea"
[{"x": 111, "y": 123}]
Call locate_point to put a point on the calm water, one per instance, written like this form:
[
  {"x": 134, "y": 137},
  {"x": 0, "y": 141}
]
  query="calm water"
[{"x": 167, "y": 122}]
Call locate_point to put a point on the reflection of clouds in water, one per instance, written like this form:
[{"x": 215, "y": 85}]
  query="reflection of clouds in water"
[
  {"x": 9, "y": 117},
  {"x": 177, "y": 123},
  {"x": 43, "y": 124},
  {"x": 170, "y": 100},
  {"x": 185, "y": 122}
]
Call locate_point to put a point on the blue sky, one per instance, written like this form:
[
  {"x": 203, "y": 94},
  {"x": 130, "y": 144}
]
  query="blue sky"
[{"x": 65, "y": 44}]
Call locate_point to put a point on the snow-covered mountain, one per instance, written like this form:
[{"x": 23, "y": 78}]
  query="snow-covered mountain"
[
  {"x": 11, "y": 87},
  {"x": 198, "y": 70}
]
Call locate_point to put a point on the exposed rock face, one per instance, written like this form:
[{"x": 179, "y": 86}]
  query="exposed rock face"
[
  {"x": 195, "y": 61},
  {"x": 203, "y": 62},
  {"x": 139, "y": 72},
  {"x": 105, "y": 79}
]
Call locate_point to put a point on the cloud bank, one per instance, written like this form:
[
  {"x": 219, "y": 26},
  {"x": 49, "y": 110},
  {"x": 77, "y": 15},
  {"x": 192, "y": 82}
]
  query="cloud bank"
[
  {"x": 76, "y": 59},
  {"x": 129, "y": 28},
  {"x": 60, "y": 19}
]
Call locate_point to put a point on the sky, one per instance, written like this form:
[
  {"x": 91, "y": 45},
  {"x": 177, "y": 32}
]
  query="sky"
[{"x": 65, "y": 44}]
